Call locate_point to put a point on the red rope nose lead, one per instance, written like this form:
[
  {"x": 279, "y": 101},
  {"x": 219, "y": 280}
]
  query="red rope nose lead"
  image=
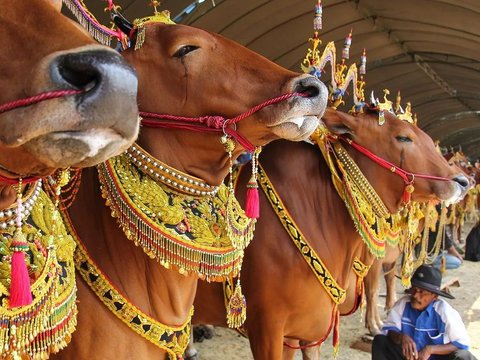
[
  {"x": 26, "y": 102},
  {"x": 408, "y": 177},
  {"x": 36, "y": 99},
  {"x": 211, "y": 123}
]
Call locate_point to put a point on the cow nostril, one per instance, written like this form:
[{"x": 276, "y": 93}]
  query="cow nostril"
[
  {"x": 309, "y": 86},
  {"x": 81, "y": 79},
  {"x": 79, "y": 70},
  {"x": 310, "y": 91},
  {"x": 462, "y": 181}
]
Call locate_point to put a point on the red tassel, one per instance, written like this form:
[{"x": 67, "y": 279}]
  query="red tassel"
[
  {"x": 252, "y": 201},
  {"x": 20, "y": 291},
  {"x": 407, "y": 193}
]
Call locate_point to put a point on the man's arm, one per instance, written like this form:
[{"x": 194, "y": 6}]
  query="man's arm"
[
  {"x": 430, "y": 350},
  {"x": 453, "y": 251}
]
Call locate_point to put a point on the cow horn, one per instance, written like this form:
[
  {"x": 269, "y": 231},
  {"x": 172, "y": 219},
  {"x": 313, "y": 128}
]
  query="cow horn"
[
  {"x": 123, "y": 24},
  {"x": 373, "y": 102}
]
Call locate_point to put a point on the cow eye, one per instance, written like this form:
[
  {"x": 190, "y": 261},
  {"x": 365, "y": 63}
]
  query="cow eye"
[
  {"x": 184, "y": 50},
  {"x": 403, "y": 138}
]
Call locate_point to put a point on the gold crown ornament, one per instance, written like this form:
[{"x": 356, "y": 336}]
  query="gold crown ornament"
[{"x": 342, "y": 75}]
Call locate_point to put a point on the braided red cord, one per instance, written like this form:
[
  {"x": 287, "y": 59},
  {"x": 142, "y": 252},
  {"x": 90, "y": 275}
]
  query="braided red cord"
[
  {"x": 264, "y": 104},
  {"x": 26, "y": 102},
  {"x": 393, "y": 168},
  {"x": 37, "y": 98},
  {"x": 9, "y": 181},
  {"x": 198, "y": 128},
  {"x": 214, "y": 123}
]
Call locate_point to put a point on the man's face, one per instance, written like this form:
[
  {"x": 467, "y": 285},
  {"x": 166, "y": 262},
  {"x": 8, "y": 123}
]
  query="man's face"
[{"x": 421, "y": 298}]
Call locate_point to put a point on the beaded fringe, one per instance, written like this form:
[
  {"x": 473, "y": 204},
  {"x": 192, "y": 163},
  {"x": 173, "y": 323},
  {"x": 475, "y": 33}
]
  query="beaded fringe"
[
  {"x": 237, "y": 305},
  {"x": 44, "y": 327},
  {"x": 168, "y": 252},
  {"x": 211, "y": 264},
  {"x": 78, "y": 10}
]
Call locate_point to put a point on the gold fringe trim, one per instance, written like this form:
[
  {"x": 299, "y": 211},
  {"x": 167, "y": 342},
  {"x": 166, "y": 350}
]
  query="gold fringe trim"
[
  {"x": 195, "y": 234},
  {"x": 86, "y": 23},
  {"x": 45, "y": 326}
]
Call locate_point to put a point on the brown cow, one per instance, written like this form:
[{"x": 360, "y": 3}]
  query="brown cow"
[
  {"x": 373, "y": 319},
  {"x": 189, "y": 72},
  {"x": 284, "y": 298},
  {"x": 64, "y": 102}
]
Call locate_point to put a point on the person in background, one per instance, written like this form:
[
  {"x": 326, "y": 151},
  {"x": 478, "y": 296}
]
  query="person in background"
[
  {"x": 448, "y": 252},
  {"x": 477, "y": 163},
  {"x": 422, "y": 326},
  {"x": 453, "y": 259}
]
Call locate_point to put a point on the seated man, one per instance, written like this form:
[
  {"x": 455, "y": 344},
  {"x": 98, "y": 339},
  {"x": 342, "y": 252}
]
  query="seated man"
[{"x": 422, "y": 326}]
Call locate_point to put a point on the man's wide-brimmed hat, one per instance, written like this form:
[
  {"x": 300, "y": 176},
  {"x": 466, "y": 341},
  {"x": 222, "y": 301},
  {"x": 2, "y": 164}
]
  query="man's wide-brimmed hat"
[{"x": 429, "y": 278}]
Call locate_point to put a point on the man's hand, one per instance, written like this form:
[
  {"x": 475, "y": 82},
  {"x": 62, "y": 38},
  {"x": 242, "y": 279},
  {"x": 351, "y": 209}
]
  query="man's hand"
[
  {"x": 452, "y": 251},
  {"x": 425, "y": 353},
  {"x": 409, "y": 348}
]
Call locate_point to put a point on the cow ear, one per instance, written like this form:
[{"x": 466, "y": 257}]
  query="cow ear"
[
  {"x": 338, "y": 122},
  {"x": 57, "y": 4}
]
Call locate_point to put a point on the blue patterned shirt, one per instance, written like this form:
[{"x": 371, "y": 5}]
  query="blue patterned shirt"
[{"x": 438, "y": 324}]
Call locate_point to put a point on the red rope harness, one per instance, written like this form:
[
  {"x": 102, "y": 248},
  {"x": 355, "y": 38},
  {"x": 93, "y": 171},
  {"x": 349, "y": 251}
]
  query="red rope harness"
[
  {"x": 214, "y": 123},
  {"x": 9, "y": 181},
  {"x": 407, "y": 177},
  {"x": 36, "y": 99},
  {"x": 26, "y": 102}
]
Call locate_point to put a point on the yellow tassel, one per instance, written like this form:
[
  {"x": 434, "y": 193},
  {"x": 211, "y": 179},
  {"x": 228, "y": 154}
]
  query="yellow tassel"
[{"x": 237, "y": 308}]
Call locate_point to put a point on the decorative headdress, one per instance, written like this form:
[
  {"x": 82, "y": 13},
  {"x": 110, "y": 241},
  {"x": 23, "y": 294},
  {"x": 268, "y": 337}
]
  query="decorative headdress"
[
  {"x": 125, "y": 31},
  {"x": 98, "y": 31},
  {"x": 136, "y": 31},
  {"x": 397, "y": 109},
  {"x": 403, "y": 225},
  {"x": 314, "y": 64}
]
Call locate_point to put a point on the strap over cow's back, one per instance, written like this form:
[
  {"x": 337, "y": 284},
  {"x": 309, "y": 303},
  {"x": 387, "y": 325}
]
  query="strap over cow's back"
[{"x": 333, "y": 289}]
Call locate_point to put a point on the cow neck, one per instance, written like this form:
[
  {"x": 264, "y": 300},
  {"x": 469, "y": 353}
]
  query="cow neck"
[
  {"x": 375, "y": 224},
  {"x": 45, "y": 325},
  {"x": 326, "y": 279},
  {"x": 173, "y": 339},
  {"x": 194, "y": 228},
  {"x": 318, "y": 267}
]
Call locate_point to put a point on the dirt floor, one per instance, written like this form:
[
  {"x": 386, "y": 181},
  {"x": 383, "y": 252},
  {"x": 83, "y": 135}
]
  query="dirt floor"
[{"x": 228, "y": 344}]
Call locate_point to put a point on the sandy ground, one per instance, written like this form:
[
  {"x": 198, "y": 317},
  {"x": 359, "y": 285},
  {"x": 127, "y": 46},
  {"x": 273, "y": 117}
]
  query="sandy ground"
[{"x": 228, "y": 344}]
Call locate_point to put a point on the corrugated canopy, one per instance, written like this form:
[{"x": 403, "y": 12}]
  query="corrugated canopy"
[{"x": 428, "y": 49}]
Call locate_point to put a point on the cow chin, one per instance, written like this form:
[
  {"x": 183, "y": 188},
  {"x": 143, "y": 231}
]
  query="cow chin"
[
  {"x": 450, "y": 192},
  {"x": 296, "y": 129},
  {"x": 77, "y": 149}
]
